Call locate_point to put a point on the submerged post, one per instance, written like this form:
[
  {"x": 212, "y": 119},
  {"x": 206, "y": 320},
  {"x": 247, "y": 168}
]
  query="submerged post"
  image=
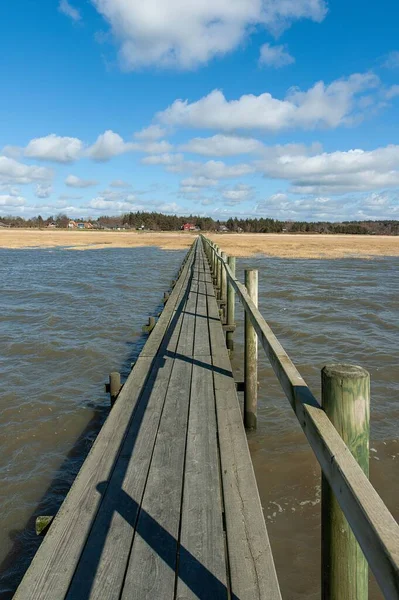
[
  {"x": 346, "y": 400},
  {"x": 231, "y": 297},
  {"x": 251, "y": 356},
  {"x": 114, "y": 386}
]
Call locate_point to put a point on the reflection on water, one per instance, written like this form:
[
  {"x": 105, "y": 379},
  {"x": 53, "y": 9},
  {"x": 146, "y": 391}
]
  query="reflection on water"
[{"x": 69, "y": 318}]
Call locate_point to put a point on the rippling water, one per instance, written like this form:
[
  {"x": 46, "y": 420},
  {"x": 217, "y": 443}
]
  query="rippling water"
[
  {"x": 69, "y": 318},
  {"x": 321, "y": 311}
]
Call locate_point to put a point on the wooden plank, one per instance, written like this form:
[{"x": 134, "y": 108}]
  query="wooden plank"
[
  {"x": 373, "y": 525},
  {"x": 109, "y": 544},
  {"x": 201, "y": 347},
  {"x": 153, "y": 561},
  {"x": 176, "y": 297},
  {"x": 102, "y": 566},
  {"x": 151, "y": 570},
  {"x": 202, "y": 566},
  {"x": 252, "y": 571},
  {"x": 53, "y": 566}
]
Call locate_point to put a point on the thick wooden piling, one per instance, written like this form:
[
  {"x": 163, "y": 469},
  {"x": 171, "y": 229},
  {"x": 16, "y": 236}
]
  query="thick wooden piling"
[
  {"x": 251, "y": 356},
  {"x": 231, "y": 297},
  {"x": 346, "y": 400},
  {"x": 114, "y": 386}
]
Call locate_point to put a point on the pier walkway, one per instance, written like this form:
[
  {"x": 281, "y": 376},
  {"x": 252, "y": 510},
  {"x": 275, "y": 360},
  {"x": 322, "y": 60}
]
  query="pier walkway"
[{"x": 166, "y": 504}]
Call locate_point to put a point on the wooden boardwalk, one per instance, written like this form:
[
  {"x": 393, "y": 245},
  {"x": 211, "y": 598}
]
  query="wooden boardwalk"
[{"x": 166, "y": 504}]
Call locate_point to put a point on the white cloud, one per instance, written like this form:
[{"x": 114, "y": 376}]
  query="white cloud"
[
  {"x": 163, "y": 159},
  {"x": 12, "y": 151},
  {"x": 12, "y": 171},
  {"x": 7, "y": 200},
  {"x": 222, "y": 145},
  {"x": 43, "y": 190},
  {"x": 102, "y": 204},
  {"x": 119, "y": 183},
  {"x": 392, "y": 92},
  {"x": 55, "y": 148},
  {"x": 109, "y": 144},
  {"x": 275, "y": 56},
  {"x": 77, "y": 182},
  {"x": 188, "y": 33},
  {"x": 323, "y": 208},
  {"x": 391, "y": 60},
  {"x": 151, "y": 133},
  {"x": 336, "y": 172},
  {"x": 70, "y": 11},
  {"x": 70, "y": 197},
  {"x": 155, "y": 147},
  {"x": 219, "y": 170},
  {"x": 322, "y": 105},
  {"x": 199, "y": 182},
  {"x": 168, "y": 207},
  {"x": 238, "y": 193}
]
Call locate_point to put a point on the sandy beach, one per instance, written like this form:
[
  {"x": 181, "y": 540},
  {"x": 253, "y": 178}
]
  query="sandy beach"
[{"x": 283, "y": 245}]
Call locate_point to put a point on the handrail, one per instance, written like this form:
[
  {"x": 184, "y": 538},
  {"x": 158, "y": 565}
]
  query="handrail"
[{"x": 372, "y": 524}]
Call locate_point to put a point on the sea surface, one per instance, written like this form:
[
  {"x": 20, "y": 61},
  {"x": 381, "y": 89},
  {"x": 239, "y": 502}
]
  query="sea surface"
[{"x": 68, "y": 318}]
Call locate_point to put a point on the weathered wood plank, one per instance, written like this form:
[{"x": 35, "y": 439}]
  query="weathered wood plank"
[
  {"x": 172, "y": 305},
  {"x": 201, "y": 346},
  {"x": 202, "y": 566},
  {"x": 152, "y": 564},
  {"x": 153, "y": 561},
  {"x": 252, "y": 572},
  {"x": 109, "y": 544}
]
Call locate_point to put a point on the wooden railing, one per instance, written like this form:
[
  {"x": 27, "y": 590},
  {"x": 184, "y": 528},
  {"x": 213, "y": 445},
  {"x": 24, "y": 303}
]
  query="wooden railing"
[{"x": 345, "y": 399}]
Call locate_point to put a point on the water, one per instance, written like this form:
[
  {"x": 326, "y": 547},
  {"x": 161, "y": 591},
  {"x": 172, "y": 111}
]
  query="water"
[{"x": 69, "y": 318}]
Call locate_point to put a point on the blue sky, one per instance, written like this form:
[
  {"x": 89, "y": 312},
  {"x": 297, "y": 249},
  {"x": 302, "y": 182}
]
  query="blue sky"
[{"x": 284, "y": 109}]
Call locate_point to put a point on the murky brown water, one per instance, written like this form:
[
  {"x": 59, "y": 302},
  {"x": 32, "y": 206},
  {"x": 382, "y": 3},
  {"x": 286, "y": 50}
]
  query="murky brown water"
[
  {"x": 322, "y": 311},
  {"x": 68, "y": 319}
]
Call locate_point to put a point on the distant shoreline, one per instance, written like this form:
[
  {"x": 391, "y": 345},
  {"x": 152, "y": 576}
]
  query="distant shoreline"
[{"x": 283, "y": 245}]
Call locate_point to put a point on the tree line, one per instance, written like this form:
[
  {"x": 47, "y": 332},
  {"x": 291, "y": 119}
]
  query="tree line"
[{"x": 159, "y": 222}]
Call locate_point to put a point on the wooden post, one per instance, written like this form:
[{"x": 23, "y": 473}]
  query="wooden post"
[
  {"x": 43, "y": 523},
  {"x": 114, "y": 386},
  {"x": 216, "y": 267},
  {"x": 251, "y": 356},
  {"x": 346, "y": 400},
  {"x": 223, "y": 281},
  {"x": 231, "y": 298}
]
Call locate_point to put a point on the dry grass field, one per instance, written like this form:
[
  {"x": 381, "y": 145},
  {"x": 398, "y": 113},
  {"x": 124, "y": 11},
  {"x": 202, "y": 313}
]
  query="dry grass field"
[{"x": 283, "y": 245}]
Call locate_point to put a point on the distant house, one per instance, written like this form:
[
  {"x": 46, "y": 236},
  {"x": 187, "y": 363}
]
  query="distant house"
[
  {"x": 80, "y": 225},
  {"x": 223, "y": 228},
  {"x": 88, "y": 225},
  {"x": 72, "y": 225},
  {"x": 51, "y": 225},
  {"x": 188, "y": 227}
]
